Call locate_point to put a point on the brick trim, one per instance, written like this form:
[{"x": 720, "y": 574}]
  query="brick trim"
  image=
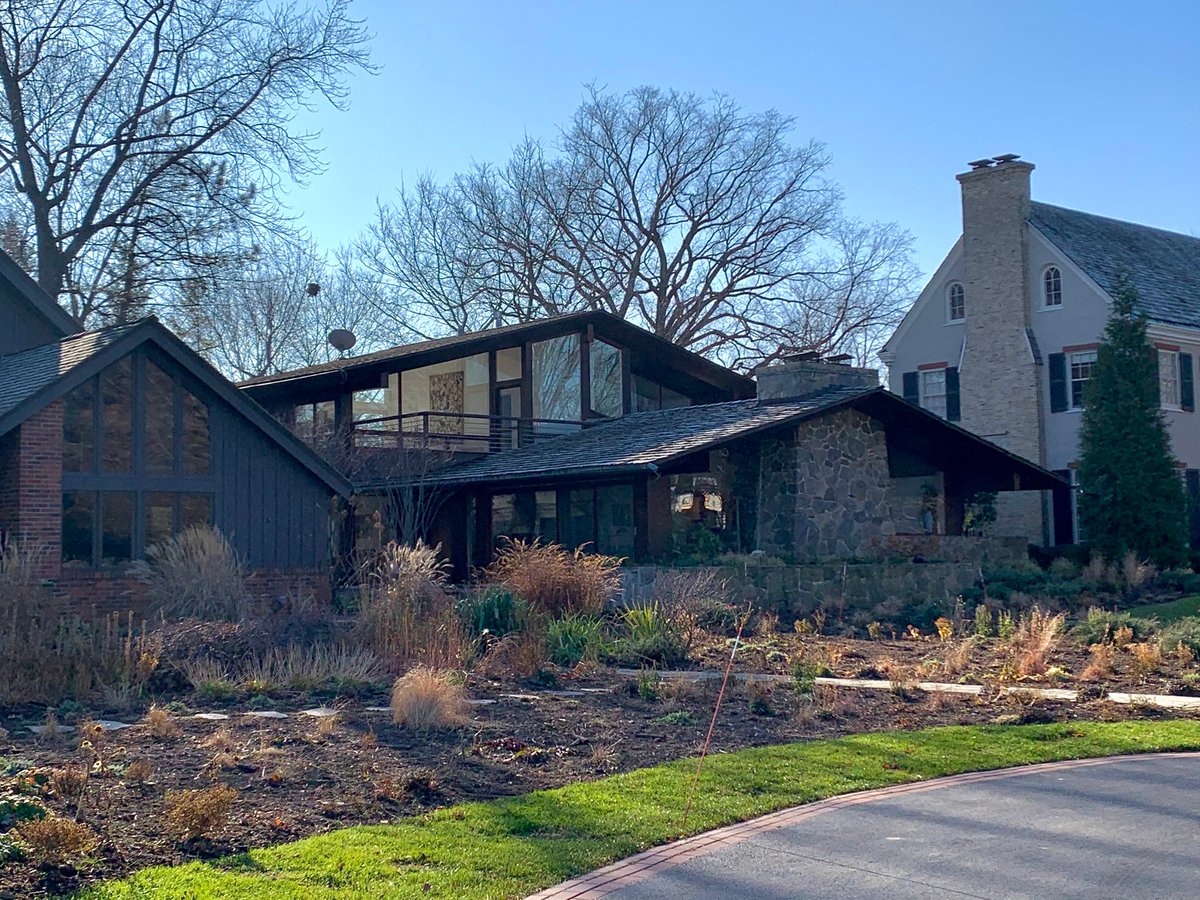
[
  {"x": 1170, "y": 348},
  {"x": 923, "y": 367},
  {"x": 1079, "y": 348}
]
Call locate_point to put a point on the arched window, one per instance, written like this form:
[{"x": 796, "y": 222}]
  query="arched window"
[
  {"x": 956, "y": 299},
  {"x": 1052, "y": 284}
]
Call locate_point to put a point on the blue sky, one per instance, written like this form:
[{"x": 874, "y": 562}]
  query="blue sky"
[{"x": 1103, "y": 96}]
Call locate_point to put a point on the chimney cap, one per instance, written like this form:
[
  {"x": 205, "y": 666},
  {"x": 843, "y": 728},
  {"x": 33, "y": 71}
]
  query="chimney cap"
[
  {"x": 1006, "y": 158},
  {"x": 980, "y": 164}
]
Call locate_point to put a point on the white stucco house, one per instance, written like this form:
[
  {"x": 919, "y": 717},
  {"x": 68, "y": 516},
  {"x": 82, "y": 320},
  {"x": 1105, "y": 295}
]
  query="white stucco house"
[{"x": 1003, "y": 337}]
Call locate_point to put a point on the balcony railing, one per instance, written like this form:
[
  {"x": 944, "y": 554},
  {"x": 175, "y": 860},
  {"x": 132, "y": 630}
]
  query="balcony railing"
[{"x": 456, "y": 432}]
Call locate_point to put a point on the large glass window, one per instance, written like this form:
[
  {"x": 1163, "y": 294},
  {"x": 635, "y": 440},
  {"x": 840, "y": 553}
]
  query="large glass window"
[
  {"x": 605, "y": 367},
  {"x": 1081, "y": 372},
  {"x": 378, "y": 403},
  {"x": 116, "y": 417},
  {"x": 647, "y": 395},
  {"x": 508, "y": 364},
  {"x": 578, "y": 526},
  {"x": 127, "y": 488},
  {"x": 556, "y": 391},
  {"x": 455, "y": 391},
  {"x": 615, "y": 529}
]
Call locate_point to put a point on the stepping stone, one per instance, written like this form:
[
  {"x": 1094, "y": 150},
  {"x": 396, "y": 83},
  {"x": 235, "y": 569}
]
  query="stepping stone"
[
  {"x": 563, "y": 693},
  {"x": 211, "y": 717},
  {"x": 481, "y": 702},
  {"x": 595, "y": 690},
  {"x": 111, "y": 725},
  {"x": 377, "y": 708},
  {"x": 265, "y": 714},
  {"x": 320, "y": 712},
  {"x": 526, "y": 698},
  {"x": 60, "y": 729}
]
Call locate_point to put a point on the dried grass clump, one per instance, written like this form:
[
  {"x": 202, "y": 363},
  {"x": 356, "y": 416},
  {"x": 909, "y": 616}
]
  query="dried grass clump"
[
  {"x": 54, "y": 841},
  {"x": 195, "y": 813},
  {"x": 161, "y": 725},
  {"x": 1135, "y": 573},
  {"x": 194, "y": 574},
  {"x": 556, "y": 581},
  {"x": 302, "y": 668},
  {"x": 1146, "y": 658},
  {"x": 958, "y": 658},
  {"x": 48, "y": 653},
  {"x": 424, "y": 698},
  {"x": 406, "y": 614},
  {"x": 1100, "y": 665},
  {"x": 1034, "y": 639}
]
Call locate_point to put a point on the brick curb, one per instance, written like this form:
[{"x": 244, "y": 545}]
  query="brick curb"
[{"x": 628, "y": 871}]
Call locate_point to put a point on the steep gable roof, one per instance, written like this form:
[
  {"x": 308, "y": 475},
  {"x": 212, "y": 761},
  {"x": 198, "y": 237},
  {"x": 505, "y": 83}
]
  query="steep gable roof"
[
  {"x": 32, "y": 379},
  {"x": 645, "y": 441},
  {"x": 1163, "y": 266},
  {"x": 24, "y": 287}
]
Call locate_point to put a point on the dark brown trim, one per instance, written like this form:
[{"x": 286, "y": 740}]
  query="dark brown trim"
[
  {"x": 924, "y": 367},
  {"x": 1080, "y": 348}
]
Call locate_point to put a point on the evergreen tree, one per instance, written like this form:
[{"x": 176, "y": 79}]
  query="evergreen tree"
[{"x": 1132, "y": 498}]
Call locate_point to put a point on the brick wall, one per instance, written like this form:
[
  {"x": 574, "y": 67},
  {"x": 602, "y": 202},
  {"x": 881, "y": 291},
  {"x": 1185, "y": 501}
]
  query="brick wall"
[
  {"x": 31, "y": 485},
  {"x": 999, "y": 378}
]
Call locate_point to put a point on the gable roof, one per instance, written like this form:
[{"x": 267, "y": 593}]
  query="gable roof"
[
  {"x": 1164, "y": 266},
  {"x": 37, "y": 299},
  {"x": 32, "y": 379},
  {"x": 644, "y": 442},
  {"x": 422, "y": 353}
]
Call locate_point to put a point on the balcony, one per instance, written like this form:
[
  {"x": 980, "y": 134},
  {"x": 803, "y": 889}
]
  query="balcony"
[{"x": 456, "y": 433}]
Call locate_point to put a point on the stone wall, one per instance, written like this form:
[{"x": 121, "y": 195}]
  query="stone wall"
[
  {"x": 827, "y": 492},
  {"x": 854, "y": 592}
]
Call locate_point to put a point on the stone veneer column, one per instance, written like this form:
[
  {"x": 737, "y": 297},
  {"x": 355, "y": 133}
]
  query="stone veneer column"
[
  {"x": 999, "y": 380},
  {"x": 39, "y": 485}
]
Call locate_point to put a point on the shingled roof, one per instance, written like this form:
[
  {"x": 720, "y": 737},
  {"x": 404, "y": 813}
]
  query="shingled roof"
[
  {"x": 644, "y": 441},
  {"x": 24, "y": 374},
  {"x": 1163, "y": 266}
]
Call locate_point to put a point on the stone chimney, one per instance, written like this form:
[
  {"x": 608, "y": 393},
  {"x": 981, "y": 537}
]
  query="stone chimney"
[
  {"x": 806, "y": 373},
  {"x": 1000, "y": 374}
]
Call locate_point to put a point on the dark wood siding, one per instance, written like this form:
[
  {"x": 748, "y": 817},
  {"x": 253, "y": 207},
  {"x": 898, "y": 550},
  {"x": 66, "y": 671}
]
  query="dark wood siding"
[
  {"x": 274, "y": 511},
  {"x": 22, "y": 327}
]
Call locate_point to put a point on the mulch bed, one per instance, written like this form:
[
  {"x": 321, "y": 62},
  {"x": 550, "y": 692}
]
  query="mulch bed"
[{"x": 296, "y": 777}]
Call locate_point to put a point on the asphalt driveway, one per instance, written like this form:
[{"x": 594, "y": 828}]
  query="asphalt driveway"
[{"x": 1120, "y": 828}]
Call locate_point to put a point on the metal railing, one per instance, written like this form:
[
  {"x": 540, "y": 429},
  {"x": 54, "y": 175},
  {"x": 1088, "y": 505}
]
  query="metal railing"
[{"x": 456, "y": 432}]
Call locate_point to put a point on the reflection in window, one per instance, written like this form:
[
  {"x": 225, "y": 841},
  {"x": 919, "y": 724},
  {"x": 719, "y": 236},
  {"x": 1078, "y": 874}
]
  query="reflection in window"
[
  {"x": 160, "y": 421},
  {"x": 78, "y": 526},
  {"x": 508, "y": 364},
  {"x": 79, "y": 427},
  {"x": 605, "y": 364},
  {"x": 512, "y": 517},
  {"x": 614, "y": 520},
  {"x": 160, "y": 517},
  {"x": 195, "y": 509},
  {"x": 546, "y": 504},
  {"x": 457, "y": 389},
  {"x": 116, "y": 527},
  {"x": 116, "y": 417},
  {"x": 556, "y": 379},
  {"x": 578, "y": 527},
  {"x": 197, "y": 453},
  {"x": 647, "y": 395}
]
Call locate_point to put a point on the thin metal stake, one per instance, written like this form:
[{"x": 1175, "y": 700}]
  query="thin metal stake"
[{"x": 737, "y": 640}]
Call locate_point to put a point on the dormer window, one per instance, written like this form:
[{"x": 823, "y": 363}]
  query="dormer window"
[
  {"x": 1052, "y": 287},
  {"x": 956, "y": 302}
]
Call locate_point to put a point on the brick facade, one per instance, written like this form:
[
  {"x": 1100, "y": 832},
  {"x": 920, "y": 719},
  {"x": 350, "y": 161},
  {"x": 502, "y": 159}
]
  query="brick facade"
[{"x": 999, "y": 374}]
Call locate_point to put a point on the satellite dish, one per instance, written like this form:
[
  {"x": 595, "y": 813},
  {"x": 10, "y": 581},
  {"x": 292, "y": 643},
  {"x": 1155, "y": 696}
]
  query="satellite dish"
[
  {"x": 313, "y": 289},
  {"x": 341, "y": 339}
]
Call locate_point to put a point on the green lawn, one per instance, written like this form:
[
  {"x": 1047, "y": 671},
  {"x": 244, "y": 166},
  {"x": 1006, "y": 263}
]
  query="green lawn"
[
  {"x": 1166, "y": 613},
  {"x": 515, "y": 846}
]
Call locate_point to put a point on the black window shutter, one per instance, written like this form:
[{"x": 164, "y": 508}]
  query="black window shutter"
[
  {"x": 1058, "y": 382},
  {"x": 1192, "y": 479},
  {"x": 912, "y": 393},
  {"x": 1064, "y": 522},
  {"x": 1187, "y": 383},
  {"x": 953, "y": 407}
]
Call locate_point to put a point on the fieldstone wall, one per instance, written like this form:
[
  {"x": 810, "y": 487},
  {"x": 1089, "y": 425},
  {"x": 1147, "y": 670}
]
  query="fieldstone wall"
[{"x": 826, "y": 492}]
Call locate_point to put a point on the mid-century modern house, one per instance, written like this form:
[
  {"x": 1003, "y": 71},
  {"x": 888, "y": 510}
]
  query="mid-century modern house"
[
  {"x": 115, "y": 439},
  {"x": 1003, "y": 338},
  {"x": 584, "y": 429}
]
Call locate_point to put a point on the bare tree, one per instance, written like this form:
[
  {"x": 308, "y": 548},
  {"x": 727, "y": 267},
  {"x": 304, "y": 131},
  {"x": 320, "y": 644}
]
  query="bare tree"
[
  {"x": 141, "y": 135},
  {"x": 690, "y": 217},
  {"x": 257, "y": 315}
]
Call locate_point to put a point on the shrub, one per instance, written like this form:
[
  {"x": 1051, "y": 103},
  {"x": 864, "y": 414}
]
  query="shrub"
[
  {"x": 69, "y": 783},
  {"x": 1100, "y": 665},
  {"x": 574, "y": 638},
  {"x": 652, "y": 637},
  {"x": 555, "y": 581},
  {"x": 54, "y": 840},
  {"x": 493, "y": 610},
  {"x": 700, "y": 595},
  {"x": 1034, "y": 639},
  {"x": 1185, "y": 632},
  {"x": 983, "y": 621},
  {"x": 405, "y": 614},
  {"x": 308, "y": 668},
  {"x": 1101, "y": 625},
  {"x": 15, "y": 809},
  {"x": 192, "y": 814},
  {"x": 1146, "y": 658},
  {"x": 517, "y": 656},
  {"x": 648, "y": 684},
  {"x": 161, "y": 725},
  {"x": 195, "y": 573},
  {"x": 423, "y": 698}
]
